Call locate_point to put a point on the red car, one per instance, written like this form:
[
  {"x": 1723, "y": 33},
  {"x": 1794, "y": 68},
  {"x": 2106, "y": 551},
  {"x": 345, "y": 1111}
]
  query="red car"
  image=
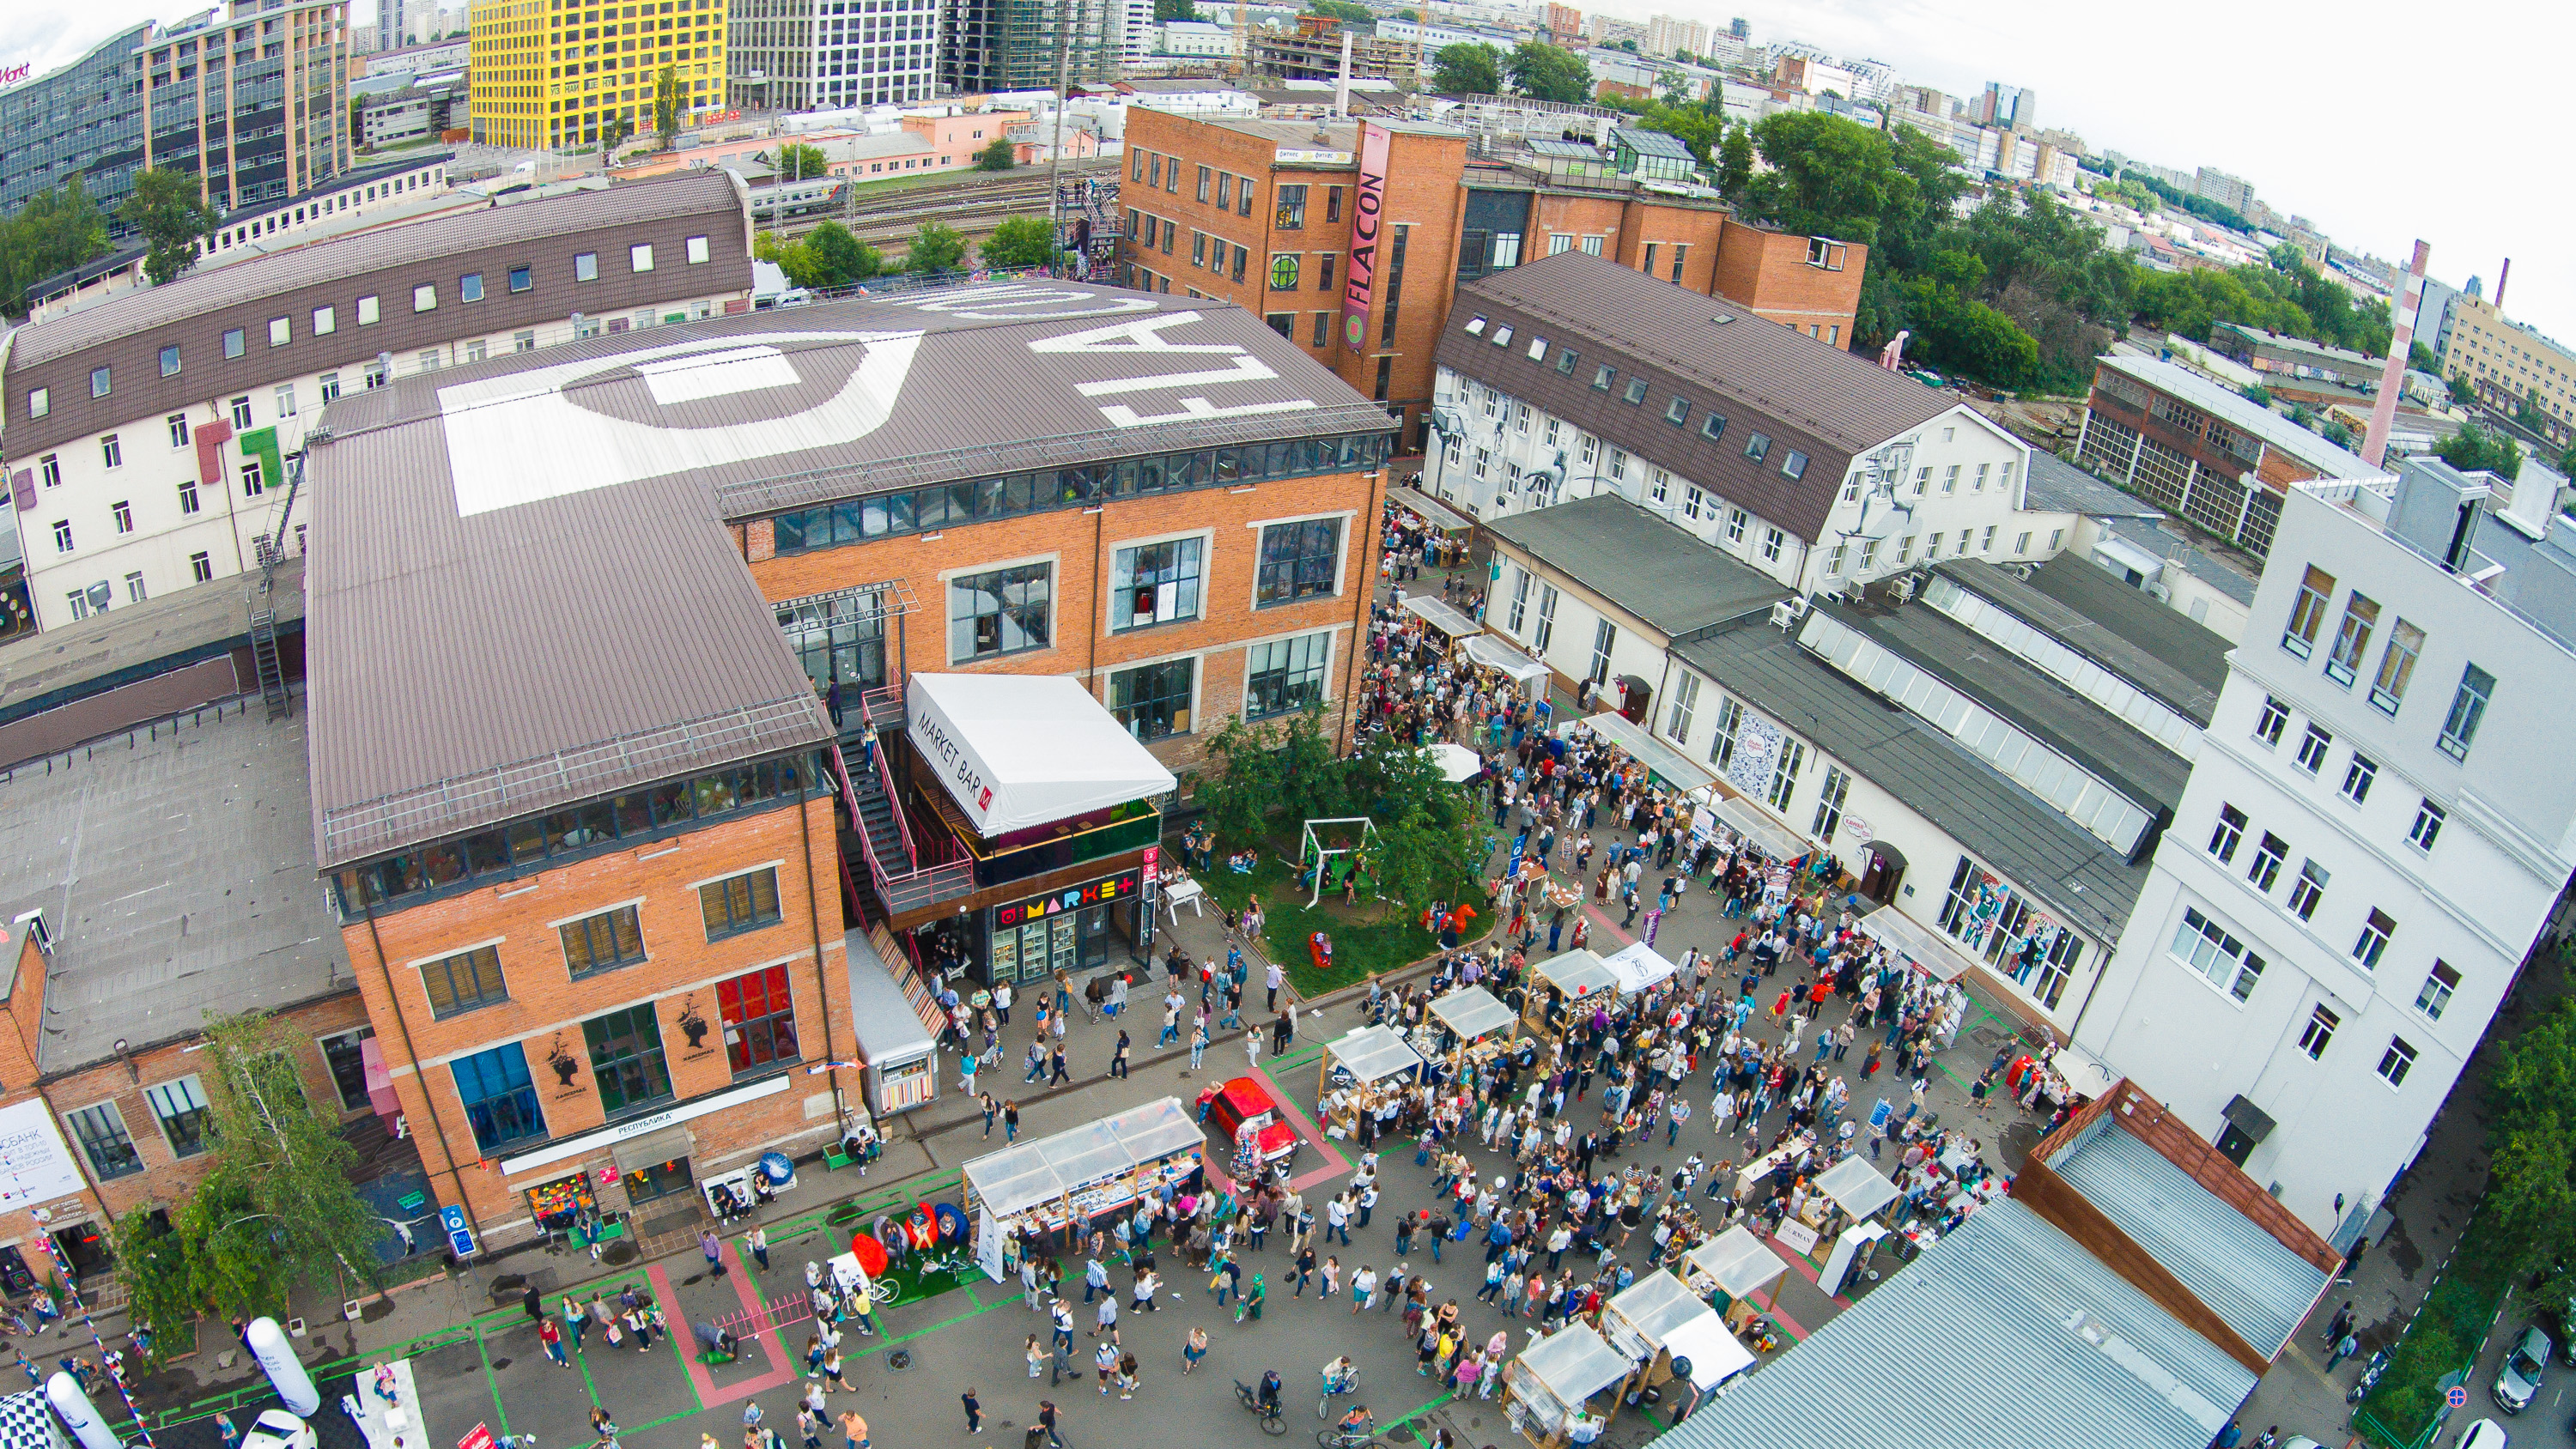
[{"x": 1244, "y": 1100}]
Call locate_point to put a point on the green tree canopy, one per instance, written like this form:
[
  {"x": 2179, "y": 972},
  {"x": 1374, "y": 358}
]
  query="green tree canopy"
[
  {"x": 936, "y": 247},
  {"x": 2474, "y": 448},
  {"x": 1170, "y": 10},
  {"x": 2531, "y": 1133},
  {"x": 1467, "y": 69},
  {"x": 1020, "y": 241},
  {"x": 670, "y": 103},
  {"x": 1343, "y": 10},
  {"x": 1001, "y": 155},
  {"x": 837, "y": 259},
  {"x": 1549, "y": 73},
  {"x": 167, "y": 210},
  {"x": 800, "y": 162},
  {"x": 1735, "y": 161},
  {"x": 58, "y": 228},
  {"x": 612, "y": 134}
]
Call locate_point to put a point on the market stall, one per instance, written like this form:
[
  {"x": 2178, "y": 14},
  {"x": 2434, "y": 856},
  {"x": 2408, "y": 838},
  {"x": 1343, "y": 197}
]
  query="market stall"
[
  {"x": 1667, "y": 765},
  {"x": 1457, "y": 764},
  {"x": 1916, "y": 943},
  {"x": 1437, "y": 517},
  {"x": 902, "y": 1056},
  {"x": 1359, "y": 1071},
  {"x": 1076, "y": 1175},
  {"x": 1475, "y": 1024},
  {"x": 1741, "y": 815},
  {"x": 1548, "y": 1386},
  {"x": 1642, "y": 1323},
  {"x": 1440, "y": 616},
  {"x": 1735, "y": 1263},
  {"x": 1858, "y": 1193},
  {"x": 1573, "y": 976},
  {"x": 1493, "y": 653},
  {"x": 1638, "y": 967}
]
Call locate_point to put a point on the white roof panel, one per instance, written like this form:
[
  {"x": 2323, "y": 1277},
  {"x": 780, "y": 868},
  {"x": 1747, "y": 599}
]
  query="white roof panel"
[{"x": 1020, "y": 750}]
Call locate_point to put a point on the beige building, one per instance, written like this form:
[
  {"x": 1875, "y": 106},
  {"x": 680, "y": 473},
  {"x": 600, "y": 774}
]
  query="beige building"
[
  {"x": 2508, "y": 363},
  {"x": 1666, "y": 35}
]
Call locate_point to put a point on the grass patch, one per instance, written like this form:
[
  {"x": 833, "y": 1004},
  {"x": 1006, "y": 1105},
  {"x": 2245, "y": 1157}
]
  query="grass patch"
[
  {"x": 2443, "y": 1338},
  {"x": 1369, "y": 938}
]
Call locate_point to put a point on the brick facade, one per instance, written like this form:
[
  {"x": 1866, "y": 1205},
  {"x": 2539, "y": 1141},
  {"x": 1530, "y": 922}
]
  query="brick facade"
[{"x": 1776, "y": 274}]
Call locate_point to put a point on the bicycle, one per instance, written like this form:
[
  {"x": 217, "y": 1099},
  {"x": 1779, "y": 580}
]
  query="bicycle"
[
  {"x": 1272, "y": 1422},
  {"x": 1339, "y": 1438},
  {"x": 1324, "y": 1405}
]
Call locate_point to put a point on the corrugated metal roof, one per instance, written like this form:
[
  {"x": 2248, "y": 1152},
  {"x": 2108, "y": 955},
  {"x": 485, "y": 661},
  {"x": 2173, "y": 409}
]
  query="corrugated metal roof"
[
  {"x": 2244, "y": 415},
  {"x": 1654, "y": 569},
  {"x": 212, "y": 288},
  {"x": 2004, "y": 1333},
  {"x": 2242, "y": 1272}
]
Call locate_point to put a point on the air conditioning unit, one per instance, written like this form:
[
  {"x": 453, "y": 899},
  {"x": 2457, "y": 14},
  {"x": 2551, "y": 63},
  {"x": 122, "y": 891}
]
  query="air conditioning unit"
[
  {"x": 1901, "y": 588},
  {"x": 2160, "y": 593},
  {"x": 2021, "y": 571},
  {"x": 1786, "y": 614}
]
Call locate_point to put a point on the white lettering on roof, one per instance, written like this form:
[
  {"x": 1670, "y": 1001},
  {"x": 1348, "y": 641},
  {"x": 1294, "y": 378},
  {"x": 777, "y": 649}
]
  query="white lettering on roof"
[
  {"x": 1145, "y": 334},
  {"x": 717, "y": 374},
  {"x": 1020, "y": 304},
  {"x": 1247, "y": 368},
  {"x": 1199, "y": 407}
]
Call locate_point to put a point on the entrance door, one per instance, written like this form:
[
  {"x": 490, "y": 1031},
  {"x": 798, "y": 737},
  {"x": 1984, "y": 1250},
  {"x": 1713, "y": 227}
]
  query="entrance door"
[
  {"x": 85, "y": 1246},
  {"x": 1880, "y": 880}
]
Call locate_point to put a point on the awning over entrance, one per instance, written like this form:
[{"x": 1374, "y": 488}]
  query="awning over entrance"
[
  {"x": 1018, "y": 750},
  {"x": 1909, "y": 939},
  {"x": 1492, "y": 652},
  {"x": 1431, "y": 510},
  {"x": 1440, "y": 616},
  {"x": 1746, "y": 819},
  {"x": 653, "y": 1149},
  {"x": 1666, "y": 763}
]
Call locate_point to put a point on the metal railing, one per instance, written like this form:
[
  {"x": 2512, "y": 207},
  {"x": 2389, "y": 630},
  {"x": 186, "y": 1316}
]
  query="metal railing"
[{"x": 921, "y": 884}]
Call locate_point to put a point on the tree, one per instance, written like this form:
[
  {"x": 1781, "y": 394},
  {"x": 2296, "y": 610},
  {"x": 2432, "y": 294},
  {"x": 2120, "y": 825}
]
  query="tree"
[
  {"x": 1345, "y": 11},
  {"x": 1467, "y": 69},
  {"x": 834, "y": 258},
  {"x": 2259, "y": 395},
  {"x": 1549, "y": 73},
  {"x": 1166, "y": 11},
  {"x": 797, "y": 162},
  {"x": 1240, "y": 793},
  {"x": 999, "y": 156},
  {"x": 2461, "y": 392},
  {"x": 936, "y": 247},
  {"x": 1020, "y": 241},
  {"x": 1735, "y": 161},
  {"x": 2473, "y": 449},
  {"x": 167, "y": 210},
  {"x": 670, "y": 103},
  {"x": 612, "y": 134},
  {"x": 2421, "y": 359},
  {"x": 2531, "y": 1136},
  {"x": 55, "y": 230}
]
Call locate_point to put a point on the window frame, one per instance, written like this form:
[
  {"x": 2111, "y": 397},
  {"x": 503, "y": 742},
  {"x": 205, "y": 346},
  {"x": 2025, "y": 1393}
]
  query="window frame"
[
  {"x": 1281, "y": 572},
  {"x": 2434, "y": 996},
  {"x": 1277, "y": 681},
  {"x": 735, "y": 905},
  {"x": 616, "y": 1044},
  {"x": 995, "y": 582},
  {"x": 2308, "y": 612},
  {"x": 2468, "y": 710},
  {"x": 619, "y": 953},
  {"x": 477, "y": 960},
  {"x": 752, "y": 1037},
  {"x": 494, "y": 1083},
  {"x": 1176, "y": 713},
  {"x": 192, "y": 1120},
  {"x": 114, "y": 1136},
  {"x": 2318, "y": 1033},
  {"x": 2396, "y": 1061},
  {"x": 2245, "y": 971}
]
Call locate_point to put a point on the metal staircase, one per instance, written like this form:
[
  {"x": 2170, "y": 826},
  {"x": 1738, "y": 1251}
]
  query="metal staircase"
[{"x": 272, "y": 675}]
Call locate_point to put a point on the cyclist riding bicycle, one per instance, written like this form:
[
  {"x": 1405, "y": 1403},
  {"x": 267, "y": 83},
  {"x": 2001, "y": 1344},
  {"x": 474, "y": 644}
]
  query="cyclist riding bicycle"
[
  {"x": 1341, "y": 1376},
  {"x": 1270, "y": 1392},
  {"x": 1356, "y": 1426}
]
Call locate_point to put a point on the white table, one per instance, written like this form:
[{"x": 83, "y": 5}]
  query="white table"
[{"x": 1189, "y": 893}]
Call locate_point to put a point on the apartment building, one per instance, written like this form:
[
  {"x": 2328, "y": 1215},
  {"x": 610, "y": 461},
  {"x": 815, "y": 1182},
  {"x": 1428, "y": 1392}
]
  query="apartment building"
[
  {"x": 83, "y": 120},
  {"x": 549, "y": 74},
  {"x": 1573, "y": 376},
  {"x": 911, "y": 519},
  {"x": 2200, "y": 450},
  {"x": 150, "y": 434},
  {"x": 1667, "y": 35},
  {"x": 255, "y": 104},
  {"x": 2512, "y": 368},
  {"x": 1013, "y": 45},
  {"x": 2366, "y": 854},
  {"x": 798, "y": 55}
]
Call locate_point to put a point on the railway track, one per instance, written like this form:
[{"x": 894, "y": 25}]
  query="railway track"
[{"x": 973, "y": 207}]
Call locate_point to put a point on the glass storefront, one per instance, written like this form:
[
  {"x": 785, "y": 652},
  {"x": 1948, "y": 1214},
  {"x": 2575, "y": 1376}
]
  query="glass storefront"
[
  {"x": 840, "y": 639},
  {"x": 659, "y": 1180},
  {"x": 1073, "y": 930}
]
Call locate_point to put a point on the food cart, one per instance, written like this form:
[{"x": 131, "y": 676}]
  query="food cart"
[
  {"x": 1475, "y": 1024},
  {"x": 1357, "y": 1072},
  {"x": 1578, "y": 975},
  {"x": 1858, "y": 1193},
  {"x": 1493, "y": 652},
  {"x": 1653, "y": 1323},
  {"x": 1064, "y": 1180},
  {"x": 1547, "y": 1387}
]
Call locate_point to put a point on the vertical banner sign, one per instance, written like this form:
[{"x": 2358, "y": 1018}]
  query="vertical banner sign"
[{"x": 1359, "y": 285}]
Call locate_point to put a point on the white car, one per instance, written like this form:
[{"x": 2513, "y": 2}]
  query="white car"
[
  {"x": 2484, "y": 1434},
  {"x": 278, "y": 1429}
]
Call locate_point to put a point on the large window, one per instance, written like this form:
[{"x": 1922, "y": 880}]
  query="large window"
[
  {"x": 611, "y": 938},
  {"x": 1154, "y": 701},
  {"x": 2352, "y": 638},
  {"x": 1685, "y": 702},
  {"x": 2308, "y": 890},
  {"x": 1520, "y": 598},
  {"x": 1002, "y": 612},
  {"x": 1784, "y": 774},
  {"x": 2375, "y": 932},
  {"x": 1546, "y": 630},
  {"x": 626, "y": 1057},
  {"x": 500, "y": 1100},
  {"x": 759, "y": 1020},
  {"x": 344, "y": 1054},
  {"x": 181, "y": 1106},
  {"x": 2308, "y": 613},
  {"x": 2468, "y": 707},
  {"x": 2224, "y": 836},
  {"x": 746, "y": 902},
  {"x": 2396, "y": 1062},
  {"x": 1285, "y": 675},
  {"x": 2320, "y": 1030},
  {"x": 101, "y": 1130},
  {"x": 2207, "y": 948},
  {"x": 1604, "y": 635},
  {"x": 1829, "y": 804},
  {"x": 464, "y": 981},
  {"x": 1298, "y": 561},
  {"x": 2396, "y": 666},
  {"x": 2437, "y": 989},
  {"x": 1721, "y": 745},
  {"x": 1155, "y": 583}
]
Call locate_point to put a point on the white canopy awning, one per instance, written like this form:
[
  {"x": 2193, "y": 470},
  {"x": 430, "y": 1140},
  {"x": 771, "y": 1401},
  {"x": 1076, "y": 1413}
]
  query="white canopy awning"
[
  {"x": 1715, "y": 1354},
  {"x": 1457, "y": 763},
  {"x": 1746, "y": 819},
  {"x": 1016, "y": 1179},
  {"x": 1666, "y": 763},
  {"x": 1642, "y": 1318},
  {"x": 1019, "y": 750},
  {"x": 1577, "y": 973},
  {"x": 1574, "y": 1364},
  {"x": 1735, "y": 1262},
  {"x": 1472, "y": 1011},
  {"x": 1908, "y": 938},
  {"x": 1637, "y": 966},
  {"x": 1431, "y": 510},
  {"x": 1855, "y": 1186},
  {"x": 1440, "y": 616},
  {"x": 1374, "y": 1053},
  {"x": 1493, "y": 652}
]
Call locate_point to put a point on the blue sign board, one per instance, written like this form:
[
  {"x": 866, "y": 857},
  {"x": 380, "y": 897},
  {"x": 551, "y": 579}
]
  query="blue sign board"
[{"x": 460, "y": 1238}]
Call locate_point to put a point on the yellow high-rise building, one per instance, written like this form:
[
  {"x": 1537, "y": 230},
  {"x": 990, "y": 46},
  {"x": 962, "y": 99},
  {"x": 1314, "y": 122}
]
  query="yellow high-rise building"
[{"x": 548, "y": 73}]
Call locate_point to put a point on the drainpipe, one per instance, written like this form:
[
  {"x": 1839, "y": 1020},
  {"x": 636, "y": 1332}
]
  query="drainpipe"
[{"x": 814, "y": 925}]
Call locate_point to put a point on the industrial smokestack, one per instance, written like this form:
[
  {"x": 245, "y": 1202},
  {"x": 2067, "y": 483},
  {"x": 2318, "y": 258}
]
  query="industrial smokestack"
[
  {"x": 2392, "y": 374},
  {"x": 1342, "y": 88},
  {"x": 2501, "y": 278}
]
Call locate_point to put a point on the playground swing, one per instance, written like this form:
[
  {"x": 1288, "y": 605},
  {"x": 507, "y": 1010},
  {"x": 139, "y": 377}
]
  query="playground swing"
[{"x": 1315, "y": 857}]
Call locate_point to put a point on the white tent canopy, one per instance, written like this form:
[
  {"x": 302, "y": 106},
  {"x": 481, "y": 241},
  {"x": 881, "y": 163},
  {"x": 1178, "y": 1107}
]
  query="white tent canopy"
[
  {"x": 1573, "y": 1364},
  {"x": 1735, "y": 1262},
  {"x": 1441, "y": 616},
  {"x": 1374, "y": 1053},
  {"x": 1715, "y": 1355},
  {"x": 1020, "y": 750},
  {"x": 1018, "y": 1178},
  {"x": 1457, "y": 763},
  {"x": 1746, "y": 819},
  {"x": 1637, "y": 966},
  {"x": 1577, "y": 973},
  {"x": 1907, "y": 938},
  {"x": 1491, "y": 652},
  {"x": 1856, "y": 1187},
  {"x": 1666, "y": 763},
  {"x": 1642, "y": 1319},
  {"x": 1472, "y": 1011}
]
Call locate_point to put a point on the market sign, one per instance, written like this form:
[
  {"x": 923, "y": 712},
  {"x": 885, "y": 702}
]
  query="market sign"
[
  {"x": 1072, "y": 898},
  {"x": 1359, "y": 286},
  {"x": 40, "y": 1165},
  {"x": 10, "y": 75}
]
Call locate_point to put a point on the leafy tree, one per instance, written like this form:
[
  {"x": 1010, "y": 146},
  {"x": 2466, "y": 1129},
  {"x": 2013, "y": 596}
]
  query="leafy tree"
[
  {"x": 2474, "y": 448},
  {"x": 1020, "y": 241},
  {"x": 999, "y": 156},
  {"x": 1735, "y": 162},
  {"x": 1426, "y": 827},
  {"x": 1240, "y": 793},
  {"x": 2531, "y": 1133},
  {"x": 670, "y": 103},
  {"x": 167, "y": 210},
  {"x": 1549, "y": 73},
  {"x": 1310, "y": 777},
  {"x": 612, "y": 134},
  {"x": 936, "y": 247},
  {"x": 1467, "y": 69},
  {"x": 2259, "y": 395},
  {"x": 1828, "y": 177},
  {"x": 2461, "y": 392},
  {"x": 2421, "y": 358},
  {"x": 56, "y": 229},
  {"x": 798, "y": 162},
  {"x": 1166, "y": 11},
  {"x": 834, "y": 258},
  {"x": 1345, "y": 11}
]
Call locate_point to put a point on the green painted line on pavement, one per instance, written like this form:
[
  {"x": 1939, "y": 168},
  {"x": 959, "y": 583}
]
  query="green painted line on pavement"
[
  {"x": 947, "y": 1323},
  {"x": 589, "y": 1384},
  {"x": 490, "y": 1381},
  {"x": 1417, "y": 1413}
]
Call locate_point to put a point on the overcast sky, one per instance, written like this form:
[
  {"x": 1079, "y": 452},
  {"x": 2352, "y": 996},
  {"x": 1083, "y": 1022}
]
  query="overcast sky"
[{"x": 2445, "y": 122}]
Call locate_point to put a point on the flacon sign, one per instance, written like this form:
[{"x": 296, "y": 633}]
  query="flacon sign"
[{"x": 1359, "y": 288}]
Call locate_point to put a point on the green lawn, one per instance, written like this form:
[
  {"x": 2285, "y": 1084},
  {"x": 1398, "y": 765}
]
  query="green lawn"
[
  {"x": 2406, "y": 1405},
  {"x": 1370, "y": 938}
]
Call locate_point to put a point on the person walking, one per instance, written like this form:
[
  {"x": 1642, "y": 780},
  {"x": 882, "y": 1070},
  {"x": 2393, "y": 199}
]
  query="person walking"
[
  {"x": 1273, "y": 978},
  {"x": 1047, "y": 1421},
  {"x": 1198, "y": 1041},
  {"x": 854, "y": 1430},
  {"x": 992, "y": 1106},
  {"x": 603, "y": 1429},
  {"x": 974, "y": 1411},
  {"x": 2341, "y": 1325},
  {"x": 576, "y": 1318},
  {"x": 2345, "y": 1347},
  {"x": 1118, "y": 1056},
  {"x": 713, "y": 1247},
  {"x": 1056, "y": 1068},
  {"x": 552, "y": 1337},
  {"x": 758, "y": 1243},
  {"x": 1010, "y": 1121},
  {"x": 1193, "y": 1349}
]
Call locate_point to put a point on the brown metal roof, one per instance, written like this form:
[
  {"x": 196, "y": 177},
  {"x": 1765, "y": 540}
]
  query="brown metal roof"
[
  {"x": 424, "y": 241},
  {"x": 1804, "y": 393},
  {"x": 522, "y": 590}
]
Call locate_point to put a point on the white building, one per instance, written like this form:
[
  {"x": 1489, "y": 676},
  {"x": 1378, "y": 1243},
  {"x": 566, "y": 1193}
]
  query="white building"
[
  {"x": 1573, "y": 376},
  {"x": 2377, "y": 830},
  {"x": 1192, "y": 37}
]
